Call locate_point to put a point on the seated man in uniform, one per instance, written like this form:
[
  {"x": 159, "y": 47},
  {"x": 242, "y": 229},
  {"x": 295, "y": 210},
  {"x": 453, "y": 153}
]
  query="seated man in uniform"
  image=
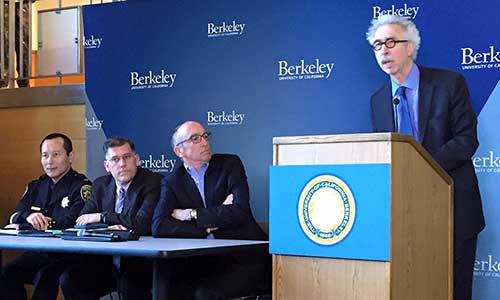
[
  {"x": 208, "y": 197},
  {"x": 52, "y": 201},
  {"x": 124, "y": 199}
]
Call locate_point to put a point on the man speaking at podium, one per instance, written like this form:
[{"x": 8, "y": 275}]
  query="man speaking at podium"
[{"x": 434, "y": 107}]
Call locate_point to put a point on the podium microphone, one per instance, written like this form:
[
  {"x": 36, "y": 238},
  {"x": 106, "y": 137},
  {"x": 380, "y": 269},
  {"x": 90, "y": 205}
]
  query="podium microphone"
[{"x": 396, "y": 103}]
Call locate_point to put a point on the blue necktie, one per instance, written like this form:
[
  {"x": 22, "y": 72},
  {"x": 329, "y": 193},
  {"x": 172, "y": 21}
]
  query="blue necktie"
[
  {"x": 119, "y": 201},
  {"x": 404, "y": 112}
]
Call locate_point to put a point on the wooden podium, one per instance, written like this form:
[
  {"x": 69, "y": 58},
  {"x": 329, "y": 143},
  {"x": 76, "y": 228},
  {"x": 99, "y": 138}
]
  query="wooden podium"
[{"x": 420, "y": 226}]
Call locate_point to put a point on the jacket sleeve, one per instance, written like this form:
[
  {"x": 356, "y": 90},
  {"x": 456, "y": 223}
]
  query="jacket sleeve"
[
  {"x": 92, "y": 205},
  {"x": 163, "y": 223},
  {"x": 228, "y": 216},
  {"x": 23, "y": 208},
  {"x": 139, "y": 218},
  {"x": 462, "y": 144}
]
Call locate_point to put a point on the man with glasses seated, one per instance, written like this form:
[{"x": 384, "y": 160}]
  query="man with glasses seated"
[
  {"x": 208, "y": 197},
  {"x": 433, "y": 106},
  {"x": 124, "y": 199}
]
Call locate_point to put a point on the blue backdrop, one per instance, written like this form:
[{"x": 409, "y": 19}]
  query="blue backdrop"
[{"x": 251, "y": 70}]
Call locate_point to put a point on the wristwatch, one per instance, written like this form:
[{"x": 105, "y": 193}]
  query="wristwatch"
[{"x": 193, "y": 214}]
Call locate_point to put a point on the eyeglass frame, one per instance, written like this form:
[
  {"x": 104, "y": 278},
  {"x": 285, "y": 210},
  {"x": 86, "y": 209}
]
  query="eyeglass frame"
[
  {"x": 195, "y": 138},
  {"x": 377, "y": 45},
  {"x": 115, "y": 160}
]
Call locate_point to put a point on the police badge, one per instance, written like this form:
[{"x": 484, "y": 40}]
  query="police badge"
[{"x": 65, "y": 202}]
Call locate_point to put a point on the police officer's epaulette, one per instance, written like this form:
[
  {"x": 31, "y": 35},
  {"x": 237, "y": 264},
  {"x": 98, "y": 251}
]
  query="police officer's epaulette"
[
  {"x": 26, "y": 190},
  {"x": 33, "y": 183}
]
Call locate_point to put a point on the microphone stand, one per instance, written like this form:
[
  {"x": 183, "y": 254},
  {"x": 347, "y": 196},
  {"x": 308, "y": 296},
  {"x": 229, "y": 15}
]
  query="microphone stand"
[{"x": 396, "y": 103}]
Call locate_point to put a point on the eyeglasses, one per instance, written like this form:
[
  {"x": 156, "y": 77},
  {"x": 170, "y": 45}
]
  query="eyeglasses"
[
  {"x": 389, "y": 43},
  {"x": 195, "y": 138},
  {"x": 116, "y": 159}
]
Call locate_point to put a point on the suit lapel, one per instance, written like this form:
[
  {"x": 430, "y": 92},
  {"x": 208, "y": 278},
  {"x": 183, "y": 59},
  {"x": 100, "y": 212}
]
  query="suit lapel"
[
  {"x": 131, "y": 192},
  {"x": 425, "y": 95},
  {"x": 192, "y": 190},
  {"x": 108, "y": 201},
  {"x": 210, "y": 184},
  {"x": 383, "y": 110}
]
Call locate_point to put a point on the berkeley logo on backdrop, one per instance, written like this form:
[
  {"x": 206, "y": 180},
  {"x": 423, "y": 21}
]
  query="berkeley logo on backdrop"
[
  {"x": 304, "y": 70},
  {"x": 151, "y": 80},
  {"x": 225, "y": 29},
  {"x": 405, "y": 11},
  {"x": 476, "y": 59},
  {"x": 93, "y": 124},
  {"x": 158, "y": 163},
  {"x": 92, "y": 42},
  {"x": 224, "y": 118},
  {"x": 487, "y": 267},
  {"x": 487, "y": 163}
]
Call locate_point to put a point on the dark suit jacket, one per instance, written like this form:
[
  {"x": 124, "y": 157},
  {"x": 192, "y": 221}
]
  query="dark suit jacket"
[
  {"x": 447, "y": 127},
  {"x": 225, "y": 175},
  {"x": 141, "y": 198}
]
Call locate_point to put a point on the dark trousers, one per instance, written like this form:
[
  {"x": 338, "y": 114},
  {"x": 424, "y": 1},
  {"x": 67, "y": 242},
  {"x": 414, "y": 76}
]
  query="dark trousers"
[
  {"x": 88, "y": 277},
  {"x": 134, "y": 278},
  {"x": 219, "y": 277},
  {"x": 92, "y": 276},
  {"x": 38, "y": 268},
  {"x": 464, "y": 256}
]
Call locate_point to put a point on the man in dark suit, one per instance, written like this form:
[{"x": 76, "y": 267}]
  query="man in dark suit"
[
  {"x": 125, "y": 199},
  {"x": 208, "y": 197},
  {"x": 52, "y": 201},
  {"x": 434, "y": 106}
]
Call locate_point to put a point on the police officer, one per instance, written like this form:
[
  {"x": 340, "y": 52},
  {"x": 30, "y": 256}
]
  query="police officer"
[{"x": 53, "y": 201}]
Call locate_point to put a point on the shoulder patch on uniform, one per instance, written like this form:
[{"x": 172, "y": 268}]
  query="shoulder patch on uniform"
[{"x": 86, "y": 192}]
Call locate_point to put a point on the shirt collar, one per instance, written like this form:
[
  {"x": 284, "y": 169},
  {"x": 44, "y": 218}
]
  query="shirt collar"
[
  {"x": 125, "y": 187},
  {"x": 191, "y": 169},
  {"x": 66, "y": 178},
  {"x": 411, "y": 81}
]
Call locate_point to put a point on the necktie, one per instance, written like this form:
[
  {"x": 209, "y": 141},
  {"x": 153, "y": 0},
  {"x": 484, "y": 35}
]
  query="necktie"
[
  {"x": 120, "y": 200},
  {"x": 404, "y": 125}
]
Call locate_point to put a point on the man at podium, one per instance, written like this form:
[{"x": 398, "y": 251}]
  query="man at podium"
[{"x": 433, "y": 106}]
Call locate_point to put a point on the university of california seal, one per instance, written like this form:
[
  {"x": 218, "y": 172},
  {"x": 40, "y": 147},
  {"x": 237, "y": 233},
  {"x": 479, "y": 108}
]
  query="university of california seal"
[{"x": 326, "y": 209}]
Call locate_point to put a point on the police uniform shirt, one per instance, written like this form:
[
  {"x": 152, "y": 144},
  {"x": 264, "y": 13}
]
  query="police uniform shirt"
[{"x": 61, "y": 201}]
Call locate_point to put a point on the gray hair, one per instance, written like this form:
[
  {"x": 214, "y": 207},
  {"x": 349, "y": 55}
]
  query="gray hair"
[
  {"x": 175, "y": 136},
  {"x": 412, "y": 33}
]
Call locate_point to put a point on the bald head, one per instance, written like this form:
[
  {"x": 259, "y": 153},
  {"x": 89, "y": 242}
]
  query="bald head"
[{"x": 190, "y": 143}]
